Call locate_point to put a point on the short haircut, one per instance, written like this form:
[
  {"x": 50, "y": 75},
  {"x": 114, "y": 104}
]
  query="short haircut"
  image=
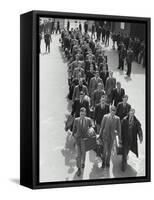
[
  {"x": 125, "y": 96},
  {"x": 82, "y": 109},
  {"x": 118, "y": 83},
  {"x": 132, "y": 109},
  {"x": 113, "y": 108}
]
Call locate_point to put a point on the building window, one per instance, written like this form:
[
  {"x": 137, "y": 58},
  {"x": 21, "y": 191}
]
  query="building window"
[{"x": 122, "y": 25}]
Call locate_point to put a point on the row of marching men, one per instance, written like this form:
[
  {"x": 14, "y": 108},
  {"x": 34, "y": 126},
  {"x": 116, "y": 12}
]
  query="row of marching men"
[{"x": 97, "y": 96}]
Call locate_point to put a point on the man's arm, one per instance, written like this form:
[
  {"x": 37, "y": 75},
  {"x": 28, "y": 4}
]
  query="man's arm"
[
  {"x": 74, "y": 93},
  {"x": 74, "y": 127},
  {"x": 102, "y": 126},
  {"x": 119, "y": 128}
]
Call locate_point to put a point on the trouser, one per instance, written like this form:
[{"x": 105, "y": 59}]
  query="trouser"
[
  {"x": 47, "y": 45},
  {"x": 129, "y": 68},
  {"x": 103, "y": 38},
  {"x": 81, "y": 153},
  {"x": 107, "y": 151},
  {"x": 98, "y": 126},
  {"x": 124, "y": 156},
  {"x": 113, "y": 44},
  {"x": 121, "y": 63},
  {"x": 58, "y": 29},
  {"x": 107, "y": 41}
]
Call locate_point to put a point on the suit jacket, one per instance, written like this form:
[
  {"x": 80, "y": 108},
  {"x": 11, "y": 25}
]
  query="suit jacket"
[
  {"x": 80, "y": 131},
  {"x": 104, "y": 77},
  {"x": 123, "y": 111},
  {"x": 117, "y": 96},
  {"x": 76, "y": 92},
  {"x": 78, "y": 71},
  {"x": 125, "y": 136},
  {"x": 77, "y": 105},
  {"x": 97, "y": 96},
  {"x": 108, "y": 128},
  {"x": 99, "y": 113},
  {"x": 93, "y": 84},
  {"x": 110, "y": 85}
]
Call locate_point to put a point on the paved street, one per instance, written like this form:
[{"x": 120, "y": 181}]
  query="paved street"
[{"x": 58, "y": 163}]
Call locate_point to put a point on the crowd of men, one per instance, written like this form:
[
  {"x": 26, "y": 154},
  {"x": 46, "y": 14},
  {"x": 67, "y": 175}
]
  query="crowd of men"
[{"x": 98, "y": 99}]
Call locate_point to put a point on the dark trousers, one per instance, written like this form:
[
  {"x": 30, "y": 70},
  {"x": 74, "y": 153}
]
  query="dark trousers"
[
  {"x": 103, "y": 38},
  {"x": 121, "y": 63},
  {"x": 47, "y": 46},
  {"x": 58, "y": 29},
  {"x": 107, "y": 41},
  {"x": 129, "y": 68},
  {"x": 124, "y": 157}
]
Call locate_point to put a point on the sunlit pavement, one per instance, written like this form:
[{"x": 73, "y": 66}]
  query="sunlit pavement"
[{"x": 57, "y": 163}]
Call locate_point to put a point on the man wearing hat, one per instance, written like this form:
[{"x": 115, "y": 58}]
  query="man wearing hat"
[{"x": 110, "y": 128}]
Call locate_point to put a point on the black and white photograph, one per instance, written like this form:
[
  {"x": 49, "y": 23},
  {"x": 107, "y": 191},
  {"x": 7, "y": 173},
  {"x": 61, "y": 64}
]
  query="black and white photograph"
[{"x": 92, "y": 99}]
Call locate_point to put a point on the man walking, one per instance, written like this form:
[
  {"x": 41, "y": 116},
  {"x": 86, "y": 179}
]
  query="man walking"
[
  {"x": 117, "y": 94},
  {"x": 47, "y": 39},
  {"x": 110, "y": 128},
  {"x": 100, "y": 110},
  {"x": 131, "y": 129},
  {"x": 80, "y": 128},
  {"x": 123, "y": 108}
]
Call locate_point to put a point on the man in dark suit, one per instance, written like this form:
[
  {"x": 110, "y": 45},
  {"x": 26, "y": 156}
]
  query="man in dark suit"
[
  {"x": 80, "y": 27},
  {"x": 47, "y": 39},
  {"x": 129, "y": 60},
  {"x": 100, "y": 110},
  {"x": 110, "y": 128},
  {"x": 80, "y": 129},
  {"x": 79, "y": 103},
  {"x": 68, "y": 25},
  {"x": 131, "y": 130},
  {"x": 123, "y": 107},
  {"x": 117, "y": 94},
  {"x": 86, "y": 27},
  {"x": 122, "y": 55}
]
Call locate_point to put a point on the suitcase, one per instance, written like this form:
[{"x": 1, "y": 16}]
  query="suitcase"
[{"x": 90, "y": 143}]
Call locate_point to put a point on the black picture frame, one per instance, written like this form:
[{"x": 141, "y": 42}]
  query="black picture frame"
[{"x": 29, "y": 100}]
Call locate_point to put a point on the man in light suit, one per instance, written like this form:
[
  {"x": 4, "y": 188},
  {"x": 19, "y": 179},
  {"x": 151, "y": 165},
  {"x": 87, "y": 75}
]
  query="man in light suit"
[
  {"x": 94, "y": 84},
  {"x": 110, "y": 128},
  {"x": 80, "y": 128}
]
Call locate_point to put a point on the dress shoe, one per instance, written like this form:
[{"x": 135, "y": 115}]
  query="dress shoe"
[{"x": 79, "y": 172}]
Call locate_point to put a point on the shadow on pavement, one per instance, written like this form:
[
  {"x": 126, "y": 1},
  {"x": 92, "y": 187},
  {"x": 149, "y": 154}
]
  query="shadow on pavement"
[
  {"x": 129, "y": 172},
  {"x": 98, "y": 172}
]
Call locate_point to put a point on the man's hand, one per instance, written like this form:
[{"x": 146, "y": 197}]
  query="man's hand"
[{"x": 141, "y": 139}]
